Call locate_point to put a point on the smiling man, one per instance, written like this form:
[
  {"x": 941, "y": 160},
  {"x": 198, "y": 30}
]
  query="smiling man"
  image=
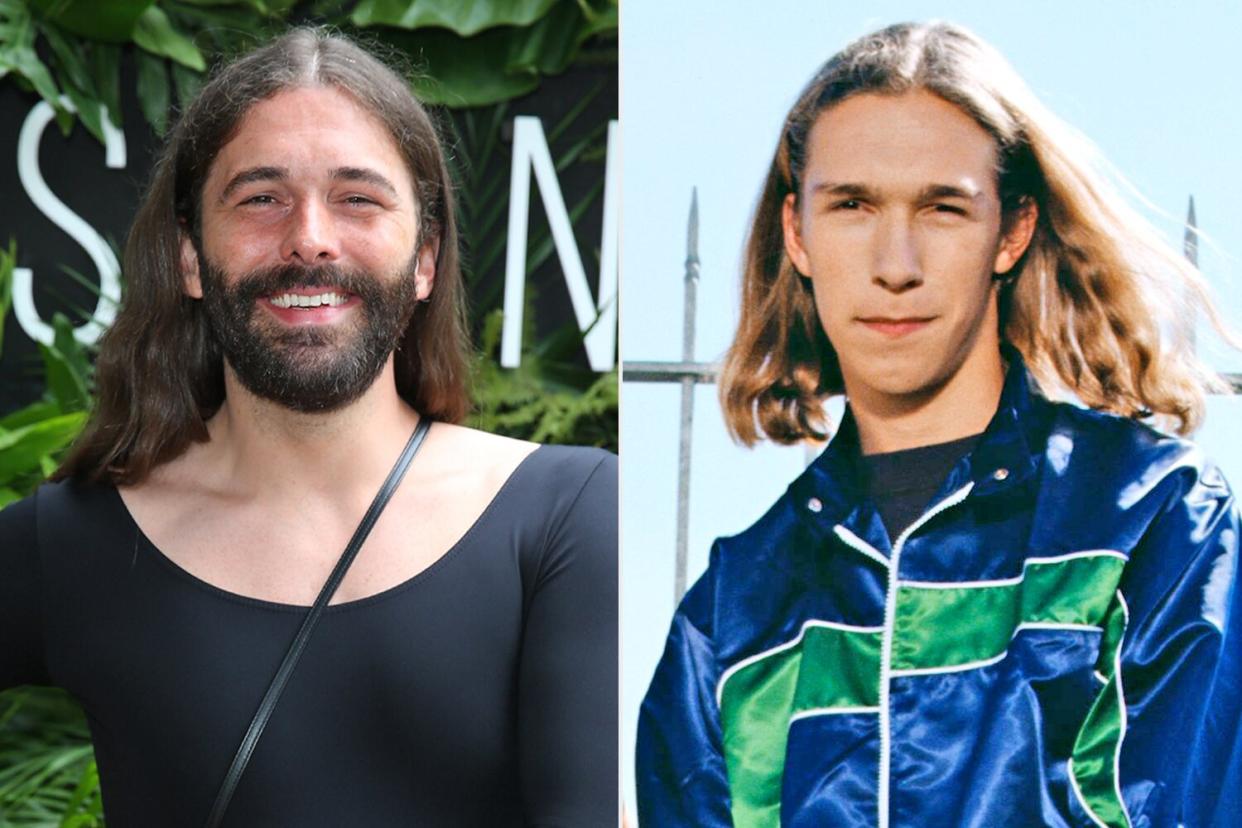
[
  {"x": 977, "y": 606},
  {"x": 292, "y": 324},
  {"x": 325, "y": 338}
]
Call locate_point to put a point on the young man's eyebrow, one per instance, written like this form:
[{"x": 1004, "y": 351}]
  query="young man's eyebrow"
[
  {"x": 364, "y": 175},
  {"x": 253, "y": 174},
  {"x": 935, "y": 191},
  {"x": 927, "y": 193},
  {"x": 844, "y": 189}
]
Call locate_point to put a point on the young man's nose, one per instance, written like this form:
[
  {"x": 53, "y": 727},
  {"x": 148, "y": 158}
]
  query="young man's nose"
[
  {"x": 311, "y": 235},
  {"x": 896, "y": 266}
]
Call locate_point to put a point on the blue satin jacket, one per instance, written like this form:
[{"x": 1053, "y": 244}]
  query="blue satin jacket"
[{"x": 1057, "y": 641}]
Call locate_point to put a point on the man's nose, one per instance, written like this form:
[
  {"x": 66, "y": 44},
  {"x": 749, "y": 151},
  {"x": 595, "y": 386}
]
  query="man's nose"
[
  {"x": 311, "y": 236},
  {"x": 896, "y": 267}
]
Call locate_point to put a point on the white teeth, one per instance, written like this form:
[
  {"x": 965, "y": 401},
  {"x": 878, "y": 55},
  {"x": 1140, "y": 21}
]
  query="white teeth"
[{"x": 294, "y": 300}]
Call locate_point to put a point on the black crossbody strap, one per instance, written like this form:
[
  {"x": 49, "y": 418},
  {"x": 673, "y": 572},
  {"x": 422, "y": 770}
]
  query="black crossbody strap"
[{"x": 272, "y": 696}]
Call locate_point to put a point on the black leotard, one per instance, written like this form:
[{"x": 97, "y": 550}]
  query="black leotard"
[{"x": 481, "y": 692}]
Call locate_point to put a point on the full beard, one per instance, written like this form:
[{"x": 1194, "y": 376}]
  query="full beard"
[{"x": 308, "y": 368}]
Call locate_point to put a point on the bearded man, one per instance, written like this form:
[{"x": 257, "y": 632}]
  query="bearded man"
[{"x": 294, "y": 314}]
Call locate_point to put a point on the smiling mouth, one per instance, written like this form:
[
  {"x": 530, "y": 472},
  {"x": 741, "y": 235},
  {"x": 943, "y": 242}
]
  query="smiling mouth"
[
  {"x": 896, "y": 327},
  {"x": 331, "y": 299},
  {"x": 311, "y": 306}
]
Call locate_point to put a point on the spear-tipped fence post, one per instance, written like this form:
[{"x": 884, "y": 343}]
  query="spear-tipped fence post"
[{"x": 687, "y": 396}]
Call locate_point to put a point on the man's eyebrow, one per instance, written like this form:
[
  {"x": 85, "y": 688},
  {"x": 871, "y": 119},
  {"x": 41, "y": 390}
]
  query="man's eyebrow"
[
  {"x": 253, "y": 174},
  {"x": 935, "y": 191},
  {"x": 928, "y": 193},
  {"x": 847, "y": 190},
  {"x": 359, "y": 174},
  {"x": 365, "y": 176}
]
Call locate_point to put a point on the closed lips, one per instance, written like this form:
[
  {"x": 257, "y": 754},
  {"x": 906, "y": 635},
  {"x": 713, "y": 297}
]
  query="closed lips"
[{"x": 896, "y": 327}]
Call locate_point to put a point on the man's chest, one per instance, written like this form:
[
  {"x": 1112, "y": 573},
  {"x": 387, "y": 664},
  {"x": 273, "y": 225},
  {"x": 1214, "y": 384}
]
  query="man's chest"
[
  {"x": 985, "y": 628},
  {"x": 161, "y": 662},
  {"x": 287, "y": 561},
  {"x": 284, "y": 552}
]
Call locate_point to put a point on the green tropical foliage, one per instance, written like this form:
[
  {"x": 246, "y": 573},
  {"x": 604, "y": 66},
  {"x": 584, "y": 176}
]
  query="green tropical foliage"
[
  {"x": 551, "y": 398},
  {"x": 467, "y": 52},
  {"x": 47, "y": 769},
  {"x": 8, "y": 261},
  {"x": 472, "y": 56}
]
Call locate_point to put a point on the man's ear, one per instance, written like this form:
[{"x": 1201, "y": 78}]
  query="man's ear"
[
  {"x": 791, "y": 224},
  {"x": 1017, "y": 236},
  {"x": 425, "y": 268},
  {"x": 191, "y": 282}
]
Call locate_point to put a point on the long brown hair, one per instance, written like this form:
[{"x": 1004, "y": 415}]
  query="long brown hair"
[
  {"x": 1097, "y": 303},
  {"x": 159, "y": 375}
]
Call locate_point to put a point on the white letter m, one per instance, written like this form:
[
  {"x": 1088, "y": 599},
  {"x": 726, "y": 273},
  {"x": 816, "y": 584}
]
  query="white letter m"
[{"x": 598, "y": 320}]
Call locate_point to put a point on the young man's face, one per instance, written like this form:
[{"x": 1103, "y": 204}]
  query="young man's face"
[
  {"x": 898, "y": 226},
  {"x": 309, "y": 269}
]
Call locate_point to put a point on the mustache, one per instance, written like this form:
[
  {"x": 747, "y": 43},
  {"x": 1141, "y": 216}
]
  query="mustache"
[{"x": 281, "y": 278}]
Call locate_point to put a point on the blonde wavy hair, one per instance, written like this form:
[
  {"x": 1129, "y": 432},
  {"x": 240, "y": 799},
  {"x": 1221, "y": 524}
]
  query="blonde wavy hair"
[{"x": 1098, "y": 303}]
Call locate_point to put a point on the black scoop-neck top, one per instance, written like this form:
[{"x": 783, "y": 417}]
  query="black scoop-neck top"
[{"x": 480, "y": 692}]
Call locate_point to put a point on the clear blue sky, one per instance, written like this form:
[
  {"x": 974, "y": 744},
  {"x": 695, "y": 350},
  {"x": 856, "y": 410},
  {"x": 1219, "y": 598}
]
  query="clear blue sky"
[{"x": 705, "y": 85}]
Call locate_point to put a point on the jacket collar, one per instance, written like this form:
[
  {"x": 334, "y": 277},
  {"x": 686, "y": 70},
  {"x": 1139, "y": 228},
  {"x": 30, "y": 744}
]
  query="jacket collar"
[{"x": 1006, "y": 456}]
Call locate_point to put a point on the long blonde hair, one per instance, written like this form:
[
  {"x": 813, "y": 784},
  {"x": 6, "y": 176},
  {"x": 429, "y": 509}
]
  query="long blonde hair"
[{"x": 1099, "y": 302}]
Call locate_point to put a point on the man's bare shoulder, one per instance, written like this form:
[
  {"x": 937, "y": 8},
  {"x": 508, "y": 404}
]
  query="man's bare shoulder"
[
  {"x": 482, "y": 442},
  {"x": 457, "y": 468},
  {"x": 457, "y": 451},
  {"x": 175, "y": 491}
]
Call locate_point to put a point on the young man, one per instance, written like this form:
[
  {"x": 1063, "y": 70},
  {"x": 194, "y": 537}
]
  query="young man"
[
  {"x": 977, "y": 607},
  {"x": 294, "y": 310}
]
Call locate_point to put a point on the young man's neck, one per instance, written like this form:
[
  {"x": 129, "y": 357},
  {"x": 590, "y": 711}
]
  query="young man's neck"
[
  {"x": 260, "y": 445},
  {"x": 961, "y": 407}
]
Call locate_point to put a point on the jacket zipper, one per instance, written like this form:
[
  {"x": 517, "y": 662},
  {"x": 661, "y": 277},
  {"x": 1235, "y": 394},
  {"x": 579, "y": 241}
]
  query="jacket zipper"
[{"x": 886, "y": 644}]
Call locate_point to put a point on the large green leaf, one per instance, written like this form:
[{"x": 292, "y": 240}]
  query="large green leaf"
[
  {"x": 33, "y": 413},
  {"x": 153, "y": 91},
  {"x": 223, "y": 30},
  {"x": 69, "y": 57},
  {"x": 155, "y": 33},
  {"x": 67, "y": 368},
  {"x": 8, "y": 496},
  {"x": 108, "y": 20},
  {"x": 22, "y": 449},
  {"x": 461, "y": 73},
  {"x": 76, "y": 80},
  {"x": 75, "y": 352},
  {"x": 17, "y": 51},
  {"x": 187, "y": 82},
  {"x": 106, "y": 68},
  {"x": 602, "y": 18},
  {"x": 465, "y": 17},
  {"x": 273, "y": 8},
  {"x": 8, "y": 260},
  {"x": 501, "y": 63}
]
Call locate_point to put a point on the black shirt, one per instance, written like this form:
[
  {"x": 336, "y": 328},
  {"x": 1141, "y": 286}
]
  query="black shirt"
[
  {"x": 480, "y": 692},
  {"x": 902, "y": 483}
]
